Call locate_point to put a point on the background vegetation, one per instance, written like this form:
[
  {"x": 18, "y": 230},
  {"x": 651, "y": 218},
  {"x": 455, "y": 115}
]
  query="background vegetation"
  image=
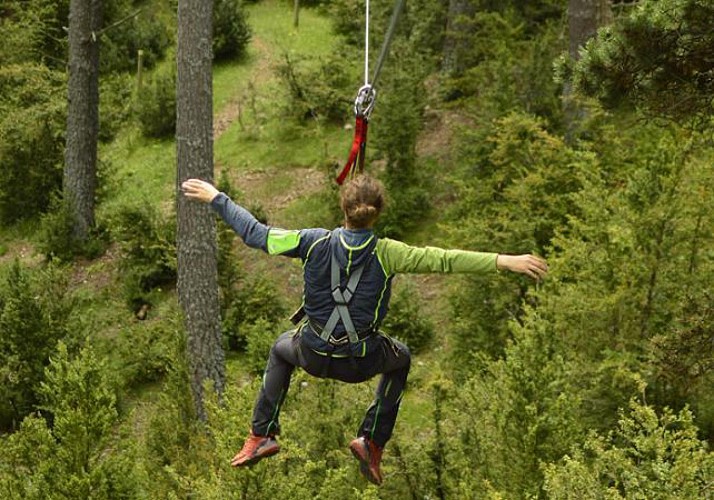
[{"x": 593, "y": 384}]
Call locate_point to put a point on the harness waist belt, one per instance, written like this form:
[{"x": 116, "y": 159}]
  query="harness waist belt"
[{"x": 317, "y": 329}]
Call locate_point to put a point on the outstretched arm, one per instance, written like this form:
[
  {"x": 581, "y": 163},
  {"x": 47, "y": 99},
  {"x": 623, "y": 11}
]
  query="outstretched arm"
[
  {"x": 251, "y": 231},
  {"x": 255, "y": 234},
  {"x": 398, "y": 257}
]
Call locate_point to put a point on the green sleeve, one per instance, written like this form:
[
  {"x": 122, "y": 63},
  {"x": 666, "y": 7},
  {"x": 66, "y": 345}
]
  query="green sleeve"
[{"x": 397, "y": 257}]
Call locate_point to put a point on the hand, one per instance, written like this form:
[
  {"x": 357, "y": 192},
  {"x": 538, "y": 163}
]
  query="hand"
[
  {"x": 532, "y": 265},
  {"x": 199, "y": 190}
]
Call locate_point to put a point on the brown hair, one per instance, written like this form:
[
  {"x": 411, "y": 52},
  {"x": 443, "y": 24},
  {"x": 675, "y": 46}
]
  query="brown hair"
[{"x": 362, "y": 199}]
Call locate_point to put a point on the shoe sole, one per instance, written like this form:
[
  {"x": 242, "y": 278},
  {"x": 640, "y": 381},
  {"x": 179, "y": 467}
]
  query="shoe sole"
[
  {"x": 259, "y": 455},
  {"x": 361, "y": 453}
]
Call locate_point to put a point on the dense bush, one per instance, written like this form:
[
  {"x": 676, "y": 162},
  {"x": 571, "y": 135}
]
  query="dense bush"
[
  {"x": 231, "y": 32},
  {"x": 155, "y": 103},
  {"x": 320, "y": 89},
  {"x": 33, "y": 32},
  {"x": 148, "y": 243},
  {"x": 55, "y": 238},
  {"x": 647, "y": 456},
  {"x": 70, "y": 459},
  {"x": 32, "y": 121},
  {"x": 35, "y": 310},
  {"x": 406, "y": 322},
  {"x": 147, "y": 31}
]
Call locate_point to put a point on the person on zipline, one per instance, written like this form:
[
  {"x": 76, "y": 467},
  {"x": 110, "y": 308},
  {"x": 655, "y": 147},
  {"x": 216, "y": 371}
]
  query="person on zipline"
[{"x": 347, "y": 283}]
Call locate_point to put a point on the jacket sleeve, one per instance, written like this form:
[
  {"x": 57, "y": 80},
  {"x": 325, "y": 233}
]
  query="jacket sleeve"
[
  {"x": 397, "y": 257},
  {"x": 254, "y": 233}
]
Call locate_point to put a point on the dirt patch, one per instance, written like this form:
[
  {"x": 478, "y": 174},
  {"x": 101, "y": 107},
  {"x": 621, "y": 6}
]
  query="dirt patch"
[
  {"x": 232, "y": 111},
  {"x": 22, "y": 250}
]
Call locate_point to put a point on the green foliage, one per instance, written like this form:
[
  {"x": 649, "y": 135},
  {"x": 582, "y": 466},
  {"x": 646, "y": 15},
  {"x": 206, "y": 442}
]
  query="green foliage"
[
  {"x": 397, "y": 121},
  {"x": 514, "y": 195},
  {"x": 115, "y": 109},
  {"x": 406, "y": 322},
  {"x": 259, "y": 338},
  {"x": 155, "y": 103},
  {"x": 148, "y": 242},
  {"x": 70, "y": 459},
  {"x": 32, "y": 32},
  {"x": 646, "y": 456},
  {"x": 143, "y": 352},
  {"x": 500, "y": 67},
  {"x": 55, "y": 235},
  {"x": 35, "y": 309},
  {"x": 514, "y": 413},
  {"x": 146, "y": 29},
  {"x": 657, "y": 59},
  {"x": 319, "y": 88},
  {"x": 250, "y": 302},
  {"x": 33, "y": 111},
  {"x": 231, "y": 32}
]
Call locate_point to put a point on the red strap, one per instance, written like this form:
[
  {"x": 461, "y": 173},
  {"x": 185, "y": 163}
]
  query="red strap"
[{"x": 356, "y": 157}]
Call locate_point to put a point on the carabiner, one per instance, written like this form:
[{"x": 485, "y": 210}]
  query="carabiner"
[{"x": 364, "y": 102}]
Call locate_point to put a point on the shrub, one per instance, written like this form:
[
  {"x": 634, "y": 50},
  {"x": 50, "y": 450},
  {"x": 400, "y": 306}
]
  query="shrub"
[
  {"x": 148, "y": 31},
  {"x": 32, "y": 123},
  {"x": 320, "y": 88},
  {"x": 155, "y": 103},
  {"x": 55, "y": 236},
  {"x": 143, "y": 352},
  {"x": 148, "y": 242},
  {"x": 406, "y": 323},
  {"x": 255, "y": 299},
  {"x": 35, "y": 310},
  {"x": 231, "y": 32},
  {"x": 114, "y": 104},
  {"x": 260, "y": 337}
]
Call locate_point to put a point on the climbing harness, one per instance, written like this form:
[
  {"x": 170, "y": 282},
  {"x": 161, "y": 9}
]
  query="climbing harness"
[
  {"x": 342, "y": 299},
  {"x": 367, "y": 95}
]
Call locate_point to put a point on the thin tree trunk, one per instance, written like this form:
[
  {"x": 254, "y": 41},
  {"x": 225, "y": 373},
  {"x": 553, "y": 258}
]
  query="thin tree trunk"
[
  {"x": 458, "y": 30},
  {"x": 196, "y": 235},
  {"x": 584, "y": 19},
  {"x": 80, "y": 172}
]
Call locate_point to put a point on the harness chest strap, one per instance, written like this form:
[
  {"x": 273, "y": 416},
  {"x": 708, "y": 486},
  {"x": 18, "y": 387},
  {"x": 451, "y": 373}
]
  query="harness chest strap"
[{"x": 342, "y": 299}]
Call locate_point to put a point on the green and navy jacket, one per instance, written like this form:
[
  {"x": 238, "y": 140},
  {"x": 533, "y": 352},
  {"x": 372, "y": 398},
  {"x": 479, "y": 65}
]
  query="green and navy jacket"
[{"x": 382, "y": 258}]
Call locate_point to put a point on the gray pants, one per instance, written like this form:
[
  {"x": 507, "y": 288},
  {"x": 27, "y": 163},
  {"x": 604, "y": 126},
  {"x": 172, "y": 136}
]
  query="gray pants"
[{"x": 387, "y": 356}]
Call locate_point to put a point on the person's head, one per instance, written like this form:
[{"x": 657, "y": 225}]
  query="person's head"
[{"x": 361, "y": 200}]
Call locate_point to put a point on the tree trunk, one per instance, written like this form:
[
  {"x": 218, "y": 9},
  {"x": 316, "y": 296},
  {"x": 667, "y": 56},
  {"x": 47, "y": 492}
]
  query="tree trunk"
[
  {"x": 196, "y": 235},
  {"x": 584, "y": 19},
  {"x": 80, "y": 171},
  {"x": 459, "y": 28}
]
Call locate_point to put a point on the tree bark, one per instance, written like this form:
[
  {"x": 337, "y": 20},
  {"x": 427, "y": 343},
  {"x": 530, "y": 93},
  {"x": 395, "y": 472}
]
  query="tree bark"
[
  {"x": 458, "y": 32},
  {"x": 196, "y": 231},
  {"x": 80, "y": 171},
  {"x": 584, "y": 19}
]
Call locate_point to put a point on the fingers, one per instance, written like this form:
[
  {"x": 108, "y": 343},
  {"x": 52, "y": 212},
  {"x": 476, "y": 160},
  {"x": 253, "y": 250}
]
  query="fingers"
[
  {"x": 535, "y": 267},
  {"x": 196, "y": 189}
]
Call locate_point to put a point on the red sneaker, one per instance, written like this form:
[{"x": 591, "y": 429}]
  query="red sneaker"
[
  {"x": 254, "y": 449},
  {"x": 369, "y": 456}
]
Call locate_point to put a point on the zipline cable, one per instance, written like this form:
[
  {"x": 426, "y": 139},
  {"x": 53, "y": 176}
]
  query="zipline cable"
[{"x": 367, "y": 94}]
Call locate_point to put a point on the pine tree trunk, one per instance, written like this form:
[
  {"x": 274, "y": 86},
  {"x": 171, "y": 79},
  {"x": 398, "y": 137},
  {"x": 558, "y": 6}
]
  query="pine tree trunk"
[
  {"x": 196, "y": 237},
  {"x": 80, "y": 172},
  {"x": 584, "y": 19},
  {"x": 458, "y": 31}
]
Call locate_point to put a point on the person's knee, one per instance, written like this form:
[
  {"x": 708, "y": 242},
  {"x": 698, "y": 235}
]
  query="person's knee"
[{"x": 404, "y": 355}]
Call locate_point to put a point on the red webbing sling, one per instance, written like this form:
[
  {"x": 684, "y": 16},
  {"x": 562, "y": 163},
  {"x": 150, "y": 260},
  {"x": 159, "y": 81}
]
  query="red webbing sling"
[{"x": 366, "y": 97}]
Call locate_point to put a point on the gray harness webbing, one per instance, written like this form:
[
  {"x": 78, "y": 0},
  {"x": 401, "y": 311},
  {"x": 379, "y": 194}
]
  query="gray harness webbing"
[{"x": 342, "y": 299}]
